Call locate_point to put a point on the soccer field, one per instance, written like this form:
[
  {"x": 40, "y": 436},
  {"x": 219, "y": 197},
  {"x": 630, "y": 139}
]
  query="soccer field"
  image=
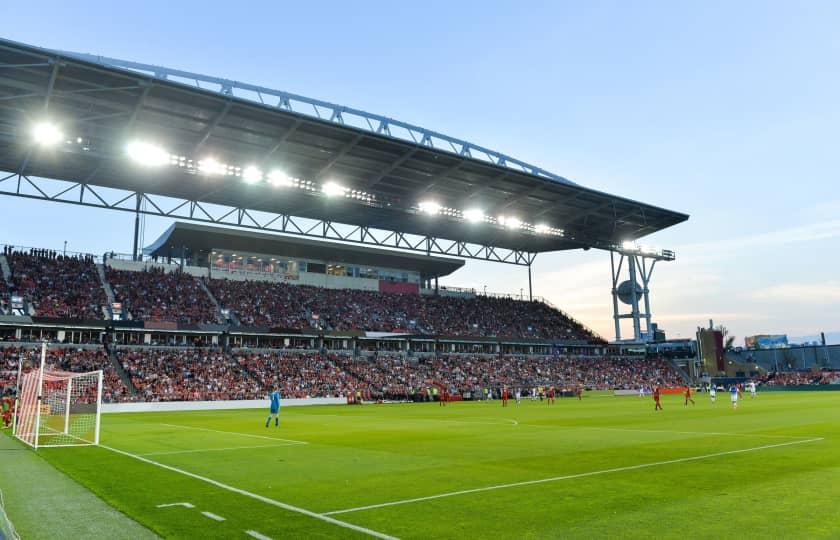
[{"x": 603, "y": 466}]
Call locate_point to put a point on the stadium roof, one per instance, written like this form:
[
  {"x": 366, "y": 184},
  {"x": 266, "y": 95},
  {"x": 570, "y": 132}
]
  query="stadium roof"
[
  {"x": 378, "y": 178},
  {"x": 203, "y": 239}
]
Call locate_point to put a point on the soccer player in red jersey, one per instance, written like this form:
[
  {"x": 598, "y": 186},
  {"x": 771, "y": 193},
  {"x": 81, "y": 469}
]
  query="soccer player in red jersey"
[
  {"x": 444, "y": 396},
  {"x": 656, "y": 399},
  {"x": 579, "y": 392},
  {"x": 551, "y": 395},
  {"x": 504, "y": 396},
  {"x": 687, "y": 395}
]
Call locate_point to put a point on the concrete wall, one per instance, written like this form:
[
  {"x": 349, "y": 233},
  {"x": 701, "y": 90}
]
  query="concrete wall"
[{"x": 161, "y": 406}]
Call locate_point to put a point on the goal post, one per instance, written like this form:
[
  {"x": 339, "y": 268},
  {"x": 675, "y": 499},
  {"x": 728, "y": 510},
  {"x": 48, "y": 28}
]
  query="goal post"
[{"x": 58, "y": 408}]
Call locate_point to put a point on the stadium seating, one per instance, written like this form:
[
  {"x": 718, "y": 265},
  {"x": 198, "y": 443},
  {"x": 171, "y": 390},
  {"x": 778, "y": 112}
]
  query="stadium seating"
[
  {"x": 799, "y": 378},
  {"x": 58, "y": 286},
  {"x": 155, "y": 295},
  {"x": 300, "y": 306},
  {"x": 186, "y": 375},
  {"x": 78, "y": 360}
]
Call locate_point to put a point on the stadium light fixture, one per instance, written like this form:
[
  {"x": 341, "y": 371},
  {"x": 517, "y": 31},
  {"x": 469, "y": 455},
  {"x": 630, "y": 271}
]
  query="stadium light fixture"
[
  {"x": 541, "y": 228},
  {"x": 210, "y": 165},
  {"x": 510, "y": 222},
  {"x": 429, "y": 207},
  {"x": 474, "y": 215},
  {"x": 147, "y": 154},
  {"x": 333, "y": 189},
  {"x": 46, "y": 133},
  {"x": 629, "y": 245},
  {"x": 252, "y": 175},
  {"x": 278, "y": 178}
]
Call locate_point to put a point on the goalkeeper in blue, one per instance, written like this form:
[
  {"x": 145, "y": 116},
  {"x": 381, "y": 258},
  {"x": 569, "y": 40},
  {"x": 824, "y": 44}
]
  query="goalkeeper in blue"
[{"x": 274, "y": 409}]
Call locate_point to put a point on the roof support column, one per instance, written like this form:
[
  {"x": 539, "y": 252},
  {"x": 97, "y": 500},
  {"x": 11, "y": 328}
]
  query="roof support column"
[
  {"x": 134, "y": 251},
  {"x": 530, "y": 288}
]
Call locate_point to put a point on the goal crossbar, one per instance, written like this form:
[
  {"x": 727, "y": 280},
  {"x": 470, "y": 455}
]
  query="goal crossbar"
[{"x": 56, "y": 407}]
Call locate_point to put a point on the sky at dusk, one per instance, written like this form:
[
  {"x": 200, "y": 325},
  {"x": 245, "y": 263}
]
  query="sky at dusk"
[{"x": 727, "y": 111}]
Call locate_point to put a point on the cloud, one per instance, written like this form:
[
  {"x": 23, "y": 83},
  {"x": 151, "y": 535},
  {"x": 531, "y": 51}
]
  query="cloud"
[
  {"x": 803, "y": 233},
  {"x": 804, "y": 293}
]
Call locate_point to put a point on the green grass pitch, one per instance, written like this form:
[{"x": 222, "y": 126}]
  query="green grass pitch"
[{"x": 601, "y": 467}]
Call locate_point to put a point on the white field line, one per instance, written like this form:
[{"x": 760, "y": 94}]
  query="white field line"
[
  {"x": 211, "y": 515},
  {"x": 201, "y": 450},
  {"x": 568, "y": 477},
  {"x": 184, "y": 504},
  {"x": 258, "y": 536},
  {"x": 255, "y": 496},
  {"x": 235, "y": 433}
]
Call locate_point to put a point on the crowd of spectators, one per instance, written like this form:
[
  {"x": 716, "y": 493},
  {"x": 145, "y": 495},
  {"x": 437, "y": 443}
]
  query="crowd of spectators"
[
  {"x": 300, "y": 306},
  {"x": 156, "y": 295},
  {"x": 204, "y": 374},
  {"x": 211, "y": 374},
  {"x": 297, "y": 375},
  {"x": 55, "y": 284},
  {"x": 186, "y": 375},
  {"x": 64, "y": 359},
  {"x": 797, "y": 378}
]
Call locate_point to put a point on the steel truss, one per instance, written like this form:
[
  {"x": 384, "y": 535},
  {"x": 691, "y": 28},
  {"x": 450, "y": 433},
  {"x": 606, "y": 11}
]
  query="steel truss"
[
  {"x": 638, "y": 264},
  {"x": 81, "y": 193},
  {"x": 324, "y": 110}
]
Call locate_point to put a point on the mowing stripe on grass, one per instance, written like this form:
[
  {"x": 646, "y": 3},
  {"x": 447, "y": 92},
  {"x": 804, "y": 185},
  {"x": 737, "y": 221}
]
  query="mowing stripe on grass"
[
  {"x": 255, "y": 496},
  {"x": 200, "y": 450},
  {"x": 236, "y": 433},
  {"x": 568, "y": 477}
]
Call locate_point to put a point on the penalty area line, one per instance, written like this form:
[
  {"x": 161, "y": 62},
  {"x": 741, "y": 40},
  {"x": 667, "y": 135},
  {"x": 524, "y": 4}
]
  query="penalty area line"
[
  {"x": 201, "y": 450},
  {"x": 255, "y": 496},
  {"x": 235, "y": 433},
  {"x": 569, "y": 477}
]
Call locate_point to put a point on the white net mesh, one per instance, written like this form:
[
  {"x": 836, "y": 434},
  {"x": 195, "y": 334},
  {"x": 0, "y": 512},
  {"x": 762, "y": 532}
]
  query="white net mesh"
[{"x": 67, "y": 413}]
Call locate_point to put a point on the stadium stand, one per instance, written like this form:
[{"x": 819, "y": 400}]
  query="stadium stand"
[
  {"x": 57, "y": 285},
  {"x": 66, "y": 359},
  {"x": 156, "y": 295},
  {"x": 800, "y": 378},
  {"x": 300, "y": 306}
]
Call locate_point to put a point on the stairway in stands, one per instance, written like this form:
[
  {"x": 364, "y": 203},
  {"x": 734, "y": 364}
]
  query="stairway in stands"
[
  {"x": 124, "y": 377},
  {"x": 7, "y": 271},
  {"x": 679, "y": 369},
  {"x": 212, "y": 298},
  {"x": 109, "y": 293}
]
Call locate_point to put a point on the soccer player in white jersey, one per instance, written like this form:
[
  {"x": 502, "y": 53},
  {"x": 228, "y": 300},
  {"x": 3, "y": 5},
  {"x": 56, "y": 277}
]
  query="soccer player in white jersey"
[
  {"x": 733, "y": 394},
  {"x": 712, "y": 392},
  {"x": 518, "y": 395},
  {"x": 752, "y": 389},
  {"x": 641, "y": 391}
]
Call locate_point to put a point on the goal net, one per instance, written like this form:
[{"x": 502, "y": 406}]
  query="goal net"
[{"x": 58, "y": 408}]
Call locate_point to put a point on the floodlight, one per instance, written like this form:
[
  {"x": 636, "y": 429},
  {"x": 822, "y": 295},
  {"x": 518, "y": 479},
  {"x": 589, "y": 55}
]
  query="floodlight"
[
  {"x": 332, "y": 189},
  {"x": 46, "y": 133},
  {"x": 147, "y": 154},
  {"x": 473, "y": 215},
  {"x": 541, "y": 228},
  {"x": 211, "y": 166},
  {"x": 649, "y": 250},
  {"x": 429, "y": 207},
  {"x": 510, "y": 222},
  {"x": 629, "y": 245},
  {"x": 252, "y": 175},
  {"x": 278, "y": 178}
]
